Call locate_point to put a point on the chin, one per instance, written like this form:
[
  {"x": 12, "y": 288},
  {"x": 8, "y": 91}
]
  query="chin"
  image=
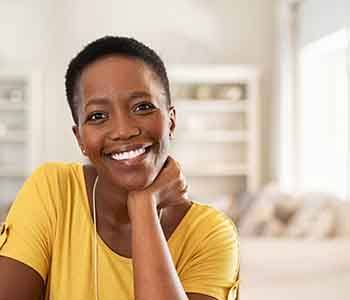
[
  {"x": 136, "y": 186},
  {"x": 136, "y": 183},
  {"x": 136, "y": 178}
]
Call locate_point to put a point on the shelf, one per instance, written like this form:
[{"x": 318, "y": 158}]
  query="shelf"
[
  {"x": 215, "y": 105},
  {"x": 12, "y": 107},
  {"x": 14, "y": 137},
  {"x": 217, "y": 137},
  {"x": 6, "y": 171},
  {"x": 215, "y": 171},
  {"x": 21, "y": 117},
  {"x": 212, "y": 136},
  {"x": 212, "y": 73}
]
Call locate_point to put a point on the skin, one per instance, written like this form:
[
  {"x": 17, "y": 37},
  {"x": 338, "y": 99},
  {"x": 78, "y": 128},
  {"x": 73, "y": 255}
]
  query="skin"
[{"x": 122, "y": 107}]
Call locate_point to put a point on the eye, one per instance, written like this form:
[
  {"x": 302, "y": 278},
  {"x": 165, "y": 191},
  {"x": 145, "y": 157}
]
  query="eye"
[
  {"x": 96, "y": 116},
  {"x": 144, "y": 107}
]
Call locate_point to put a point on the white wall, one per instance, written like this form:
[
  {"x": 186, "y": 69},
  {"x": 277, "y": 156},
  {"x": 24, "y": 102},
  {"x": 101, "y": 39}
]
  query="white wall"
[
  {"x": 23, "y": 31},
  {"x": 185, "y": 31},
  {"x": 321, "y": 17},
  {"x": 324, "y": 36}
]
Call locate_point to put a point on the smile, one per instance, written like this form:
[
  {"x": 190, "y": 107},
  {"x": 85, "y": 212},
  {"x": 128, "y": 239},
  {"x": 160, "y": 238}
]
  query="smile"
[{"x": 128, "y": 154}]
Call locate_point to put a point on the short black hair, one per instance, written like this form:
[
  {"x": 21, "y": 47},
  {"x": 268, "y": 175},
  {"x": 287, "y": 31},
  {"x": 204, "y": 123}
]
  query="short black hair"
[{"x": 111, "y": 45}]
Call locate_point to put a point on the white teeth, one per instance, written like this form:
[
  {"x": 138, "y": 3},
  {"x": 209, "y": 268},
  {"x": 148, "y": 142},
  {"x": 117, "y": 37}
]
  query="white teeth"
[{"x": 128, "y": 154}]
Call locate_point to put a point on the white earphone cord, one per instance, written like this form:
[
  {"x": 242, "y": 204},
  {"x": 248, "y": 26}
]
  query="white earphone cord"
[
  {"x": 95, "y": 256},
  {"x": 95, "y": 237}
]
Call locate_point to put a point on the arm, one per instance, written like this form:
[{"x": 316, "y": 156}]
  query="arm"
[
  {"x": 25, "y": 241},
  {"x": 155, "y": 276},
  {"x": 18, "y": 281}
]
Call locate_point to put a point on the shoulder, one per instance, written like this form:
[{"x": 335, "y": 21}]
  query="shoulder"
[
  {"x": 209, "y": 261},
  {"x": 53, "y": 169},
  {"x": 49, "y": 183},
  {"x": 206, "y": 227},
  {"x": 209, "y": 219},
  {"x": 58, "y": 174}
]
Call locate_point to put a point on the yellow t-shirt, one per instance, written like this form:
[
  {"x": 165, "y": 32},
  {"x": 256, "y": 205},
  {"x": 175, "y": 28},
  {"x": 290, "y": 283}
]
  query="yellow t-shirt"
[{"x": 50, "y": 229}]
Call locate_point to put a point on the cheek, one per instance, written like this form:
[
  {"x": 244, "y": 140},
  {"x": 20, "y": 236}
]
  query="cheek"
[
  {"x": 92, "y": 143},
  {"x": 162, "y": 132},
  {"x": 163, "y": 153}
]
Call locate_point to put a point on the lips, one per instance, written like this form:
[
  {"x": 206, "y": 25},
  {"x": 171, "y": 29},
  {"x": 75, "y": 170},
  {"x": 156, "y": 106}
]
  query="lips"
[
  {"x": 129, "y": 154},
  {"x": 125, "y": 148}
]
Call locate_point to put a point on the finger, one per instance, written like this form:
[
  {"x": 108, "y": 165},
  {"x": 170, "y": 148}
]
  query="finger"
[
  {"x": 180, "y": 200},
  {"x": 170, "y": 172},
  {"x": 163, "y": 172},
  {"x": 170, "y": 165},
  {"x": 185, "y": 189},
  {"x": 178, "y": 184},
  {"x": 174, "y": 162}
]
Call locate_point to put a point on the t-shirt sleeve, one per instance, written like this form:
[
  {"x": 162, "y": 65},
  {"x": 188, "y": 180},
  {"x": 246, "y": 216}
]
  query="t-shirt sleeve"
[
  {"x": 28, "y": 233},
  {"x": 214, "y": 266}
]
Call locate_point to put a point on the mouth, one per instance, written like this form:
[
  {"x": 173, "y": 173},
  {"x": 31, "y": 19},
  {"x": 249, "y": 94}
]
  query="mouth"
[{"x": 129, "y": 153}]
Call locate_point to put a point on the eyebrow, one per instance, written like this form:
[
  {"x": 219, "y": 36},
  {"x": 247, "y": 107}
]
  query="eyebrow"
[
  {"x": 97, "y": 101},
  {"x": 106, "y": 101},
  {"x": 139, "y": 94}
]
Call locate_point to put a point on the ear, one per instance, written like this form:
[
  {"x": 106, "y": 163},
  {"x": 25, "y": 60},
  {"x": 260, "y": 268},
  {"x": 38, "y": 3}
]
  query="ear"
[
  {"x": 172, "y": 120},
  {"x": 76, "y": 132}
]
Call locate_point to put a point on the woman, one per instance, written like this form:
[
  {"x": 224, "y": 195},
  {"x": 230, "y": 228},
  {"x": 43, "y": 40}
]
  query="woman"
[{"x": 121, "y": 227}]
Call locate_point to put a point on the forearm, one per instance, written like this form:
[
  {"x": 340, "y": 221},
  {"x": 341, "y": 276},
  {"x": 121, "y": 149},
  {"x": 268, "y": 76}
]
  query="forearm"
[{"x": 155, "y": 275}]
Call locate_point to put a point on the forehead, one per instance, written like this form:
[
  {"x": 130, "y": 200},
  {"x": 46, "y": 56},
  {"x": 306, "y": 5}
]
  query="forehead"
[{"x": 117, "y": 74}]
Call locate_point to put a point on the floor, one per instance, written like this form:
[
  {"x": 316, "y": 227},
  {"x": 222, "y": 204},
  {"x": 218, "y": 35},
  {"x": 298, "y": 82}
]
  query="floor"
[{"x": 295, "y": 269}]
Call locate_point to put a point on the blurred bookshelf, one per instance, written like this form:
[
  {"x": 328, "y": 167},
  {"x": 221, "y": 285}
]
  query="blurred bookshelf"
[
  {"x": 20, "y": 129},
  {"x": 217, "y": 139}
]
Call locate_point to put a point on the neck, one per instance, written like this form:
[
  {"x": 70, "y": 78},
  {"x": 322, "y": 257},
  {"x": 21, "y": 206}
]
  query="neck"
[{"x": 111, "y": 204}]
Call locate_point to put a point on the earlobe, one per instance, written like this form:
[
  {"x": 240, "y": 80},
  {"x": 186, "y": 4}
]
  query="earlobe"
[
  {"x": 172, "y": 121},
  {"x": 75, "y": 130}
]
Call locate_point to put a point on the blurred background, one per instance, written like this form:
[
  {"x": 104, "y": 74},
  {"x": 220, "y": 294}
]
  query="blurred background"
[{"x": 261, "y": 91}]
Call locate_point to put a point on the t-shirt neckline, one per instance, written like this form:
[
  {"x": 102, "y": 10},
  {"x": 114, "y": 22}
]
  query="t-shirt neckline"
[{"x": 102, "y": 243}]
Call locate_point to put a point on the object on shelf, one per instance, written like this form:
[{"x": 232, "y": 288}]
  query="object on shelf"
[
  {"x": 16, "y": 95},
  {"x": 183, "y": 91},
  {"x": 204, "y": 92},
  {"x": 211, "y": 92},
  {"x": 232, "y": 92}
]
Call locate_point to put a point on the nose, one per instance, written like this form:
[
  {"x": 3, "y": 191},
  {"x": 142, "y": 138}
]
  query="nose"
[{"x": 122, "y": 127}]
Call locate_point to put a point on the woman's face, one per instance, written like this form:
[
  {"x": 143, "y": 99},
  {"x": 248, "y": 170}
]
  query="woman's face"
[{"x": 124, "y": 121}]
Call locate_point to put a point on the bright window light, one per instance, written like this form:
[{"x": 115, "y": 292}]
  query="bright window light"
[{"x": 323, "y": 116}]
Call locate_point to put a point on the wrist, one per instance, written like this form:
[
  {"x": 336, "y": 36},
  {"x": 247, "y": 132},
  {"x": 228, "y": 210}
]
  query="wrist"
[{"x": 141, "y": 203}]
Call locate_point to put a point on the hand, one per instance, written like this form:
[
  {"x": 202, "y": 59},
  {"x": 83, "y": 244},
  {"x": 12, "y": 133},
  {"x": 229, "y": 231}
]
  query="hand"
[{"x": 168, "y": 189}]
